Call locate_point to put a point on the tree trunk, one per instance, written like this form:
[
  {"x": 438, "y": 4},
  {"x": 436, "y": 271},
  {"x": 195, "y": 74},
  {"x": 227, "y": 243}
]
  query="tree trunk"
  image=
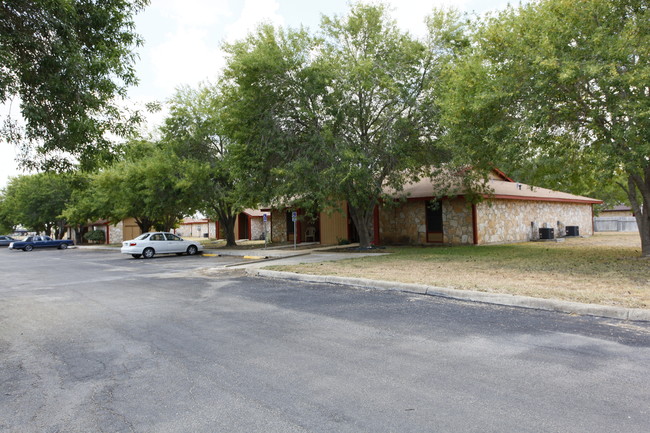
[
  {"x": 78, "y": 239},
  {"x": 643, "y": 221},
  {"x": 60, "y": 231},
  {"x": 144, "y": 224},
  {"x": 228, "y": 222},
  {"x": 641, "y": 211},
  {"x": 362, "y": 217},
  {"x": 166, "y": 223}
]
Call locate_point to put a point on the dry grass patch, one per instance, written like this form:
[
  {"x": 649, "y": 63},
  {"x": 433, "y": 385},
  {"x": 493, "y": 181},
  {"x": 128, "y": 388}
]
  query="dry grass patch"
[{"x": 603, "y": 269}]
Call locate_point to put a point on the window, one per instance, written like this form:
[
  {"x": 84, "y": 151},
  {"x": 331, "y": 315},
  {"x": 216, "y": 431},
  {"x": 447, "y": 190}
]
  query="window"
[
  {"x": 172, "y": 237},
  {"x": 157, "y": 237}
]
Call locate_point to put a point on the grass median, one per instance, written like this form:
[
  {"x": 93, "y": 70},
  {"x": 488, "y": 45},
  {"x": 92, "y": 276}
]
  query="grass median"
[{"x": 604, "y": 269}]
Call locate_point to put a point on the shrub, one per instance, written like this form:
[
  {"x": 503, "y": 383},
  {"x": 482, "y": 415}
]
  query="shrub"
[{"x": 95, "y": 236}]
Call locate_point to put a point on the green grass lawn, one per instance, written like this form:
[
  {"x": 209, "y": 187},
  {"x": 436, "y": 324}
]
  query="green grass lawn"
[{"x": 604, "y": 269}]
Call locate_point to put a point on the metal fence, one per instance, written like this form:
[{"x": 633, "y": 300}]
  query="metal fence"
[{"x": 615, "y": 224}]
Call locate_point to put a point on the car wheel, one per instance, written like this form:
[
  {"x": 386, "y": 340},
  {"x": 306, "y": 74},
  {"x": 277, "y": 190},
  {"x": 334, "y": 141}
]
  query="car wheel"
[
  {"x": 148, "y": 253},
  {"x": 63, "y": 246},
  {"x": 136, "y": 256},
  {"x": 191, "y": 250},
  {"x": 28, "y": 248}
]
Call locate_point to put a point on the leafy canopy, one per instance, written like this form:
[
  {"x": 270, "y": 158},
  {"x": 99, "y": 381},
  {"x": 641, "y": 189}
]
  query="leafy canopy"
[
  {"x": 557, "y": 90},
  {"x": 321, "y": 119},
  {"x": 37, "y": 201},
  {"x": 66, "y": 61},
  {"x": 194, "y": 131},
  {"x": 150, "y": 185}
]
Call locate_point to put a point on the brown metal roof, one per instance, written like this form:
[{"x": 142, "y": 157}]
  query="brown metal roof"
[
  {"x": 618, "y": 208},
  {"x": 255, "y": 213},
  {"x": 503, "y": 189}
]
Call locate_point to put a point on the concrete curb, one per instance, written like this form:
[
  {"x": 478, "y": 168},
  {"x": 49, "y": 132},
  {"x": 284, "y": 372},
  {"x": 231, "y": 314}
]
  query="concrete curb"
[
  {"x": 632, "y": 314},
  {"x": 266, "y": 259}
]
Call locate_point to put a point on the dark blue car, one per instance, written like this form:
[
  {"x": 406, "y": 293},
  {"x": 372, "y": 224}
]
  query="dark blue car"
[
  {"x": 32, "y": 242},
  {"x": 6, "y": 240}
]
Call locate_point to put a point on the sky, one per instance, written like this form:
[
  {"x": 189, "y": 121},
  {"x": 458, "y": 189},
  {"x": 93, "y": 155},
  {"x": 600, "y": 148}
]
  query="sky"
[{"x": 183, "y": 40}]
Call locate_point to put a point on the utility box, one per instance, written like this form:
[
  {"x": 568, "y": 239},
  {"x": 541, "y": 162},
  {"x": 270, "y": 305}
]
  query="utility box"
[
  {"x": 572, "y": 231},
  {"x": 546, "y": 233}
]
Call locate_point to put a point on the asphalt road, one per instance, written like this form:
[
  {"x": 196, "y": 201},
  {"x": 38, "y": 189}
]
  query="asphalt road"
[{"x": 93, "y": 341}]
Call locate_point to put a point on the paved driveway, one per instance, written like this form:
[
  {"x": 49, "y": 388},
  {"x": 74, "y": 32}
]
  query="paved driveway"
[{"x": 92, "y": 341}]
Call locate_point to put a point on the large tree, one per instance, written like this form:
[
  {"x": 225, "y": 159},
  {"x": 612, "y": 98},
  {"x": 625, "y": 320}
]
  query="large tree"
[
  {"x": 151, "y": 185},
  {"x": 66, "y": 61},
  {"x": 334, "y": 117},
  {"x": 194, "y": 132},
  {"x": 564, "y": 84},
  {"x": 37, "y": 201}
]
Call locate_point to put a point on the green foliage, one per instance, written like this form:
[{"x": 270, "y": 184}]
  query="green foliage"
[
  {"x": 95, "y": 236},
  {"x": 556, "y": 91},
  {"x": 151, "y": 185},
  {"x": 338, "y": 116},
  {"x": 67, "y": 61},
  {"x": 36, "y": 201},
  {"x": 7, "y": 222},
  {"x": 194, "y": 131}
]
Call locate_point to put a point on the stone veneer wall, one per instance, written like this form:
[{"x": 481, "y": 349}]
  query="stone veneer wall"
[
  {"x": 212, "y": 227},
  {"x": 501, "y": 221},
  {"x": 195, "y": 230},
  {"x": 115, "y": 233},
  {"x": 257, "y": 229},
  {"x": 457, "y": 222},
  {"x": 278, "y": 226},
  {"x": 406, "y": 224}
]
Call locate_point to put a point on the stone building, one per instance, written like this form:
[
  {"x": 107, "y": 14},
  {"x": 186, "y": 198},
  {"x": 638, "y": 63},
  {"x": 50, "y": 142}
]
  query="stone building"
[{"x": 511, "y": 212}]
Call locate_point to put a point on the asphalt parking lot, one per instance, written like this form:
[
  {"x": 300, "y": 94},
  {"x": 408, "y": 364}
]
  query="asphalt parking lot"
[{"x": 92, "y": 340}]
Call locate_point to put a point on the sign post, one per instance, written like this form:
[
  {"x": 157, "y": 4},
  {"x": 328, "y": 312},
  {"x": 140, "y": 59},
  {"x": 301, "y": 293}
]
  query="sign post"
[
  {"x": 264, "y": 219},
  {"x": 294, "y": 218}
]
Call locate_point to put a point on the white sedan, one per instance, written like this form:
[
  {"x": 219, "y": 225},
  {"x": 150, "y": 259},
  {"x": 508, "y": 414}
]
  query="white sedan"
[{"x": 149, "y": 244}]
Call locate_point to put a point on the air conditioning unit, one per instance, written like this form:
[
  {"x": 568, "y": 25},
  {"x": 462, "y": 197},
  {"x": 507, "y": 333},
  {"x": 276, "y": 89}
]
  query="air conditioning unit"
[
  {"x": 546, "y": 233},
  {"x": 572, "y": 231}
]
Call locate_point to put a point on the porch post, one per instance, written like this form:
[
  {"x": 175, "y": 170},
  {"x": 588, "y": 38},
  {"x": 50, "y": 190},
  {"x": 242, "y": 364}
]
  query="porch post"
[
  {"x": 375, "y": 224},
  {"x": 474, "y": 224}
]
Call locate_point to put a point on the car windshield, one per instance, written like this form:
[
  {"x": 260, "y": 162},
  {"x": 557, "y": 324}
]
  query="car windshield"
[{"x": 143, "y": 236}]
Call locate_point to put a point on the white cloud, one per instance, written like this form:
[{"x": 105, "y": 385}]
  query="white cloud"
[
  {"x": 410, "y": 14},
  {"x": 188, "y": 50},
  {"x": 186, "y": 57},
  {"x": 195, "y": 13},
  {"x": 181, "y": 44},
  {"x": 253, "y": 13},
  {"x": 8, "y": 165}
]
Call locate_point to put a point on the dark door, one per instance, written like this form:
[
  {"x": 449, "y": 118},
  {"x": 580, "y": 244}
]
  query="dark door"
[
  {"x": 243, "y": 226},
  {"x": 434, "y": 221}
]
